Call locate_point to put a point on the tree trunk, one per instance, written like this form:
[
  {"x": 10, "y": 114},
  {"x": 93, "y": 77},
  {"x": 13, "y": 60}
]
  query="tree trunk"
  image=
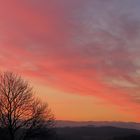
[{"x": 12, "y": 136}]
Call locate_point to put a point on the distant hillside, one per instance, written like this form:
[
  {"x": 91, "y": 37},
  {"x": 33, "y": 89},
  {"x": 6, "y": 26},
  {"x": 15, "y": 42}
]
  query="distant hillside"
[
  {"x": 129, "y": 125},
  {"x": 97, "y": 133}
]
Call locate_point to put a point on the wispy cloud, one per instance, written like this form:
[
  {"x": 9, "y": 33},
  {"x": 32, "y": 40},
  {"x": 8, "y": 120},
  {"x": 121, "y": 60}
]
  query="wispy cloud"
[{"x": 89, "y": 48}]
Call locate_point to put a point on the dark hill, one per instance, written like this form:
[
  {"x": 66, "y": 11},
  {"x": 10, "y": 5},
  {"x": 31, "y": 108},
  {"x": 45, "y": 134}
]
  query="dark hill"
[{"x": 97, "y": 133}]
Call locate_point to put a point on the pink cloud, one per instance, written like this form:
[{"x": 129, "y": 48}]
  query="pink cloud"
[{"x": 57, "y": 43}]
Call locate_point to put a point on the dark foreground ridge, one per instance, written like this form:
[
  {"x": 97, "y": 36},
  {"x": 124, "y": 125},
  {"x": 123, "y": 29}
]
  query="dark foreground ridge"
[
  {"x": 83, "y": 133},
  {"x": 97, "y": 133}
]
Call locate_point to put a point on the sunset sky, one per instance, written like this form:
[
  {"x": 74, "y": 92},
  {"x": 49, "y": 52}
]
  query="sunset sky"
[{"x": 81, "y": 56}]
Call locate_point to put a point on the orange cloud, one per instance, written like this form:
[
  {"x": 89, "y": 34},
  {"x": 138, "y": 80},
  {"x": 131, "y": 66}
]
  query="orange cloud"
[{"x": 75, "y": 47}]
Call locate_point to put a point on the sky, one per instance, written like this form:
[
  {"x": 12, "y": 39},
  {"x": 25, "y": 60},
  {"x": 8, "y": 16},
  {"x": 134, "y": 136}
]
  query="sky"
[{"x": 81, "y": 56}]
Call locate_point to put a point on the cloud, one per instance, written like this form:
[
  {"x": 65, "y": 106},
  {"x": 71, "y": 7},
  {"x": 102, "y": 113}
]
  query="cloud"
[{"x": 89, "y": 48}]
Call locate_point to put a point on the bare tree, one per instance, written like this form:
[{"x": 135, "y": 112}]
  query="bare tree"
[{"x": 21, "y": 114}]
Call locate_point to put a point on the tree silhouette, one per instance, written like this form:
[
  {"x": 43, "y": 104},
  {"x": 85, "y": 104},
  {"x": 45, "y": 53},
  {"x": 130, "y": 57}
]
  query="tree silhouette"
[{"x": 22, "y": 116}]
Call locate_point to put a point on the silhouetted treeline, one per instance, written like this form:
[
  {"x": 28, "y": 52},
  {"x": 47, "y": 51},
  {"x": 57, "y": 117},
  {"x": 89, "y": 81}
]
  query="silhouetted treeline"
[{"x": 42, "y": 134}]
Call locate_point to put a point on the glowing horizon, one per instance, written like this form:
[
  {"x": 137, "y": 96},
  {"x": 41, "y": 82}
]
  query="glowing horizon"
[{"x": 82, "y": 57}]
